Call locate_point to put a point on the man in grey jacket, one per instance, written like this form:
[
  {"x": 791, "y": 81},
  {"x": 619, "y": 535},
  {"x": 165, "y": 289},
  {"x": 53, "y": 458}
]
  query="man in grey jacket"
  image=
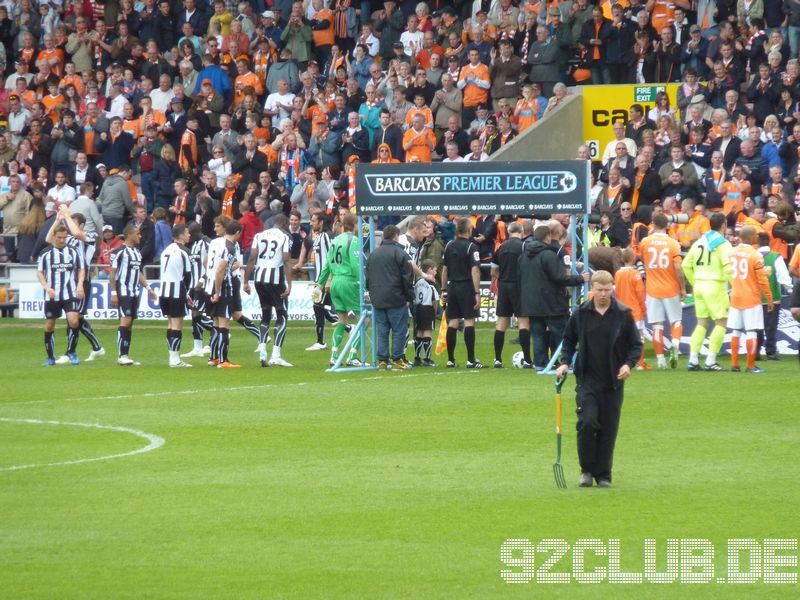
[
  {"x": 86, "y": 206},
  {"x": 115, "y": 198},
  {"x": 543, "y": 56},
  {"x": 391, "y": 287}
]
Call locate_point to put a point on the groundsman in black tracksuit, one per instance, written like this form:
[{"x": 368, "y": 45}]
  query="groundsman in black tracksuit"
[{"x": 604, "y": 343}]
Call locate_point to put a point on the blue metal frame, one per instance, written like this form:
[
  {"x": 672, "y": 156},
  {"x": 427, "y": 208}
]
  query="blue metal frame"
[
  {"x": 550, "y": 368},
  {"x": 359, "y": 330}
]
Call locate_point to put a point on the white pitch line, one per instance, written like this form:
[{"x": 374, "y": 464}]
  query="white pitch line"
[
  {"x": 154, "y": 443},
  {"x": 265, "y": 386}
]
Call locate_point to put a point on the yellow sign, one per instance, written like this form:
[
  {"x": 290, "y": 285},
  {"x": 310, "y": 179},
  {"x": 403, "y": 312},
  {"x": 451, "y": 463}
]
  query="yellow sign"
[{"x": 605, "y": 104}]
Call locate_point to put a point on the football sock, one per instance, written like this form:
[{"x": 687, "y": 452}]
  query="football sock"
[
  {"x": 735, "y": 349},
  {"x": 197, "y": 330},
  {"x": 88, "y": 332},
  {"x": 417, "y": 348},
  {"x": 72, "y": 339},
  {"x": 338, "y": 335},
  {"x": 280, "y": 328},
  {"x": 263, "y": 329},
  {"x": 224, "y": 344},
  {"x": 214, "y": 343},
  {"x": 658, "y": 341},
  {"x": 698, "y": 335},
  {"x": 469, "y": 342},
  {"x": 676, "y": 333},
  {"x": 123, "y": 340},
  {"x": 427, "y": 346},
  {"x": 49, "y": 344},
  {"x": 248, "y": 325},
  {"x": 715, "y": 344},
  {"x": 319, "y": 322},
  {"x": 751, "y": 343},
  {"x": 174, "y": 339},
  {"x": 452, "y": 332},
  {"x": 525, "y": 342},
  {"x": 330, "y": 316},
  {"x": 499, "y": 340}
]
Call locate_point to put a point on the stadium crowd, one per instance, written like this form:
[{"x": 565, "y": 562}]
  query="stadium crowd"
[{"x": 146, "y": 115}]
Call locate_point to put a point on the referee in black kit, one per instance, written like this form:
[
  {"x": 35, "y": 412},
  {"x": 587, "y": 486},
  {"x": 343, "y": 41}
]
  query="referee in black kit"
[
  {"x": 603, "y": 333},
  {"x": 461, "y": 278}
]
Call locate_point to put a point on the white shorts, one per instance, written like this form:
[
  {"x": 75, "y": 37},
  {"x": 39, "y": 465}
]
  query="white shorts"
[
  {"x": 663, "y": 309},
  {"x": 746, "y": 319}
]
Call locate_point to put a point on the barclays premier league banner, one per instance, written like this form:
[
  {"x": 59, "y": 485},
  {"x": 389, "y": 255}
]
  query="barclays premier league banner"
[
  {"x": 473, "y": 188},
  {"x": 31, "y": 302}
]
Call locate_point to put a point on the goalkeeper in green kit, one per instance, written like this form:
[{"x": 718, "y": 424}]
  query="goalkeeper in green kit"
[
  {"x": 707, "y": 267},
  {"x": 340, "y": 274}
]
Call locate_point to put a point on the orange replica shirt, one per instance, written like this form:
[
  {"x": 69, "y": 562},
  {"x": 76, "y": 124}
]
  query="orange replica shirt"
[
  {"x": 794, "y": 263},
  {"x": 629, "y": 289},
  {"x": 58, "y": 68},
  {"x": 75, "y": 80},
  {"x": 419, "y": 148},
  {"x": 473, "y": 94},
  {"x": 323, "y": 37},
  {"x": 527, "y": 114},
  {"x": 749, "y": 280},
  {"x": 242, "y": 81},
  {"x": 663, "y": 15},
  {"x": 53, "y": 104},
  {"x": 660, "y": 253},
  {"x": 424, "y": 111},
  {"x": 735, "y": 192}
]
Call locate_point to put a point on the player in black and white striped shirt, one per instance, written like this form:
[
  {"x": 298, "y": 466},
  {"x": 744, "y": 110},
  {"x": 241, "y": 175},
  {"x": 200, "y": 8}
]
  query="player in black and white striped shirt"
[
  {"x": 126, "y": 281},
  {"x": 176, "y": 275},
  {"x": 220, "y": 266},
  {"x": 61, "y": 271},
  {"x": 83, "y": 242},
  {"x": 323, "y": 311},
  {"x": 269, "y": 258},
  {"x": 201, "y": 321}
]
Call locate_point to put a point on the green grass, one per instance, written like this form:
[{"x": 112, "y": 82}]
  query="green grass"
[{"x": 296, "y": 483}]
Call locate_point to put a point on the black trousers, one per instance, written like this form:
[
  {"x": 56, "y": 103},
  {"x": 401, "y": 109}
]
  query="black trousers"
[
  {"x": 598, "y": 409},
  {"x": 767, "y": 337},
  {"x": 547, "y": 333}
]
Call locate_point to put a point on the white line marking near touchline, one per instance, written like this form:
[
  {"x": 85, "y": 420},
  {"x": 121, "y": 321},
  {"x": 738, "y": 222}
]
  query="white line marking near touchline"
[{"x": 154, "y": 442}]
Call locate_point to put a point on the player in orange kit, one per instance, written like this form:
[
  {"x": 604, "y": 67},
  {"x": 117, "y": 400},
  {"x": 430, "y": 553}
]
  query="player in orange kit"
[
  {"x": 629, "y": 289},
  {"x": 665, "y": 287},
  {"x": 748, "y": 282}
]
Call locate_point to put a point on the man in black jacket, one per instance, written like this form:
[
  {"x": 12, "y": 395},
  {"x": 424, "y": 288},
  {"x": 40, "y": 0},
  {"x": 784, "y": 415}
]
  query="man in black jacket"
[
  {"x": 505, "y": 283},
  {"x": 391, "y": 287},
  {"x": 542, "y": 295},
  {"x": 604, "y": 336}
]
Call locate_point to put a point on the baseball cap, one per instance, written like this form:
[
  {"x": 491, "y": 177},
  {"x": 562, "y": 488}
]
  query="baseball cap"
[
  {"x": 268, "y": 14},
  {"x": 694, "y": 28},
  {"x": 108, "y": 228},
  {"x": 398, "y": 46},
  {"x": 206, "y": 81},
  {"x": 482, "y": 106},
  {"x": 100, "y": 165},
  {"x": 176, "y": 100},
  {"x": 554, "y": 12},
  {"x": 436, "y": 14},
  {"x": 452, "y": 57},
  {"x": 50, "y": 207}
]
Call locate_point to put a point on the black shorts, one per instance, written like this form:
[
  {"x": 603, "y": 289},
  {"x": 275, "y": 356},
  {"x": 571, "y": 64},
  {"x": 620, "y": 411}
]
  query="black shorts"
[
  {"x": 795, "y": 302},
  {"x": 461, "y": 300},
  {"x": 222, "y": 308},
  {"x": 236, "y": 298},
  {"x": 507, "y": 300},
  {"x": 172, "y": 308},
  {"x": 128, "y": 306},
  {"x": 424, "y": 316},
  {"x": 200, "y": 301},
  {"x": 83, "y": 304},
  {"x": 269, "y": 295},
  {"x": 54, "y": 308}
]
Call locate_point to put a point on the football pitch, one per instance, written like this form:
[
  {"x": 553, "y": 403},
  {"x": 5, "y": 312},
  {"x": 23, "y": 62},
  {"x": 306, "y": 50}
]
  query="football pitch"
[{"x": 151, "y": 482}]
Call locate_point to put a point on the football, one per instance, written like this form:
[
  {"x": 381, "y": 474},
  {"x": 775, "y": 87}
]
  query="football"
[{"x": 517, "y": 359}]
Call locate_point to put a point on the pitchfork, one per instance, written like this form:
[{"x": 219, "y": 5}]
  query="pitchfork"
[{"x": 558, "y": 470}]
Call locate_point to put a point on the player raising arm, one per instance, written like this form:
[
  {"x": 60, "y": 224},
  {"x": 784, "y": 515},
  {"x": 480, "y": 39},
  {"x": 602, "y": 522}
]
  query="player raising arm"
[{"x": 707, "y": 268}]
